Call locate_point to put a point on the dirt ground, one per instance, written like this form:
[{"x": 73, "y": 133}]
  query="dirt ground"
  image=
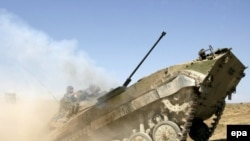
[
  {"x": 238, "y": 113},
  {"x": 27, "y": 120}
]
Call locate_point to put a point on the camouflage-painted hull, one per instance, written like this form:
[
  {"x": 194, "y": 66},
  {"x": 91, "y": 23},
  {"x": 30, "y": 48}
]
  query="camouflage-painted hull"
[{"x": 178, "y": 94}]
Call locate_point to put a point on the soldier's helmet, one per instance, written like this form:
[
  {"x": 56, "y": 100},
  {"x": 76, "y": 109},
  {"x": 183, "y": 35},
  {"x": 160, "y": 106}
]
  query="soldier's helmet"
[{"x": 70, "y": 89}]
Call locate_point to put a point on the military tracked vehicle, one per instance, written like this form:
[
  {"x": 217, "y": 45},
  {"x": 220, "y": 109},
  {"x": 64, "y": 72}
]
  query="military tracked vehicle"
[{"x": 168, "y": 105}]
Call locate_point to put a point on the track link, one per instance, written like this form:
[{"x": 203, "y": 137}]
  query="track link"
[
  {"x": 218, "y": 114},
  {"x": 190, "y": 117}
]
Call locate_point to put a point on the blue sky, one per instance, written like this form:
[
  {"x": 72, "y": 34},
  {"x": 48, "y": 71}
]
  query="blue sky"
[{"x": 109, "y": 38}]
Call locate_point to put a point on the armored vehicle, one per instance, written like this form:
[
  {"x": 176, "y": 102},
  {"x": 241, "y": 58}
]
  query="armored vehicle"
[{"x": 168, "y": 105}]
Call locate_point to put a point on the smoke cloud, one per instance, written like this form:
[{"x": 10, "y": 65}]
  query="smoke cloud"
[
  {"x": 38, "y": 69},
  {"x": 35, "y": 65}
]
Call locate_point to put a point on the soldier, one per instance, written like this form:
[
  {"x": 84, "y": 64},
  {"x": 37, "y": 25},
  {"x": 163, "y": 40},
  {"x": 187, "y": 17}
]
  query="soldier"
[
  {"x": 69, "y": 103},
  {"x": 70, "y": 95}
]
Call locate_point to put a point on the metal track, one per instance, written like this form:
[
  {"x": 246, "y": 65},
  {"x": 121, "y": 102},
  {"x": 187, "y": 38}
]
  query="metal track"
[
  {"x": 190, "y": 117},
  {"x": 218, "y": 114}
]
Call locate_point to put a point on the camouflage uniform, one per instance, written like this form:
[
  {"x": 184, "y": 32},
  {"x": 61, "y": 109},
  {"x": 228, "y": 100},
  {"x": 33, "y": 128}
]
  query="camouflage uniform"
[{"x": 69, "y": 103}]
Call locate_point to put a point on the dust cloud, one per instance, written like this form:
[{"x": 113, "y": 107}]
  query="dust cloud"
[
  {"x": 26, "y": 120},
  {"x": 36, "y": 67},
  {"x": 33, "y": 64}
]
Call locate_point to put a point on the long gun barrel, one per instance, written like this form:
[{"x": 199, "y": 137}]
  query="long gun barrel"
[{"x": 125, "y": 84}]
